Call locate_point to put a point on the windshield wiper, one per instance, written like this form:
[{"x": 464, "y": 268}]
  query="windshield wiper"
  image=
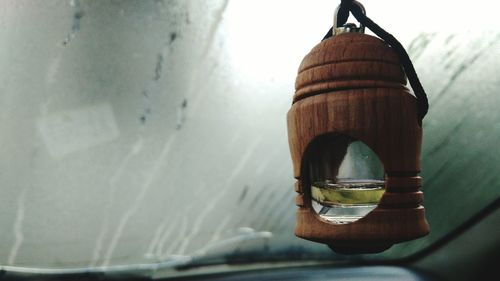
[
  {"x": 213, "y": 253},
  {"x": 226, "y": 251}
]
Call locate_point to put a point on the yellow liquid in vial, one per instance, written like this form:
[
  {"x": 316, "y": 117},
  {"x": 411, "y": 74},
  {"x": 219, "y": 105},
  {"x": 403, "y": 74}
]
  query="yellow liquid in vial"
[
  {"x": 348, "y": 192},
  {"x": 346, "y": 201}
]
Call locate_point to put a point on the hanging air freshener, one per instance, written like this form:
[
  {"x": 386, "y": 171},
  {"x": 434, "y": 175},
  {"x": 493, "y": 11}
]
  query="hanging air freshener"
[{"x": 355, "y": 136}]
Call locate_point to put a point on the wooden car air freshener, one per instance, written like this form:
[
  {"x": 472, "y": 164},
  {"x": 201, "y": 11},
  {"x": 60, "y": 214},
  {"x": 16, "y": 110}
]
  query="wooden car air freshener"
[{"x": 355, "y": 135}]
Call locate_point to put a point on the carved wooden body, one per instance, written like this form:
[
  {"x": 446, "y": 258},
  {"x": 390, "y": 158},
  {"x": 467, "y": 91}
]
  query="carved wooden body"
[{"x": 353, "y": 84}]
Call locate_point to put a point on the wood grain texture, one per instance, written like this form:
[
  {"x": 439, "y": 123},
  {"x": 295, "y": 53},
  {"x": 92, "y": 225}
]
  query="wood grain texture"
[{"x": 352, "y": 84}]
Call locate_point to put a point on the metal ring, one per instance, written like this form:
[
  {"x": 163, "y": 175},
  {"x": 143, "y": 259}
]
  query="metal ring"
[{"x": 337, "y": 11}]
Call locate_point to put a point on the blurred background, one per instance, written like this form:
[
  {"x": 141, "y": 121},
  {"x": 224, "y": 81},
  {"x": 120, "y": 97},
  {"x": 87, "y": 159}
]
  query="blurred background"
[{"x": 140, "y": 131}]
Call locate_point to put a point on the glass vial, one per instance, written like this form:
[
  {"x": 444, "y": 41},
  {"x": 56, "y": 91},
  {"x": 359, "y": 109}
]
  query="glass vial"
[{"x": 346, "y": 179}]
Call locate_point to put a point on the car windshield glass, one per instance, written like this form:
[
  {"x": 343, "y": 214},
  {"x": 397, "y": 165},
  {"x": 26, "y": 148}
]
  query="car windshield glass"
[{"x": 154, "y": 132}]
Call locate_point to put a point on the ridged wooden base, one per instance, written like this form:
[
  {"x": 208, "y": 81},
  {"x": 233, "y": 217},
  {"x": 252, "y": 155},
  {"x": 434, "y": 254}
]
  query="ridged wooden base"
[{"x": 381, "y": 226}]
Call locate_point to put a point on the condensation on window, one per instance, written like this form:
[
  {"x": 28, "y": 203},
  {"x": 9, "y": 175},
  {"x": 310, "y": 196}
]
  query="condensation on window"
[{"x": 135, "y": 132}]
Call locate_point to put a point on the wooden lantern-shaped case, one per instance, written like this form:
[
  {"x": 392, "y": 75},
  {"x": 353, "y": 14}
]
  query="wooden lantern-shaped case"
[{"x": 353, "y": 84}]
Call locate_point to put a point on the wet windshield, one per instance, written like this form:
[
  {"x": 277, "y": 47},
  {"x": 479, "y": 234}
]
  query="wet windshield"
[{"x": 154, "y": 132}]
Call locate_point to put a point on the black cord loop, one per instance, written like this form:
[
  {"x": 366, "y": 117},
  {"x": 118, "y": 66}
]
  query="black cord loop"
[{"x": 347, "y": 6}]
